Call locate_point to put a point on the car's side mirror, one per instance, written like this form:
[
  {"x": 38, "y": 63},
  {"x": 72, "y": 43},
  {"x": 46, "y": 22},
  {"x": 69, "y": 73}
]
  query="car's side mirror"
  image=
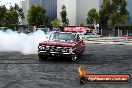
[{"x": 82, "y": 40}]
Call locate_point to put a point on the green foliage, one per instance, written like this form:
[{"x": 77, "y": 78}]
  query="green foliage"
[
  {"x": 91, "y": 26},
  {"x": 104, "y": 13},
  {"x": 11, "y": 17},
  {"x": 56, "y": 23},
  {"x": 14, "y": 14},
  {"x": 36, "y": 16},
  {"x": 81, "y": 25},
  {"x": 63, "y": 7},
  {"x": 113, "y": 13},
  {"x": 125, "y": 27},
  {"x": 2, "y": 15},
  {"x": 92, "y": 16},
  {"x": 64, "y": 18}
]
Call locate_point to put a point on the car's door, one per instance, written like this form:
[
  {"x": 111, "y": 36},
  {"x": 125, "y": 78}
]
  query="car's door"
[
  {"x": 80, "y": 45},
  {"x": 83, "y": 45}
]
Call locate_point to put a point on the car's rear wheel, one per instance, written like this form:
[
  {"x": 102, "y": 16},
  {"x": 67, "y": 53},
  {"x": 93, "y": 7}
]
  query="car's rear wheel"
[
  {"x": 42, "y": 57},
  {"x": 82, "y": 80}
]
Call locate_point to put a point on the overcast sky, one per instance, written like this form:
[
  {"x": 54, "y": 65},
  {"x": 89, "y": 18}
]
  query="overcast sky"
[{"x": 7, "y": 2}]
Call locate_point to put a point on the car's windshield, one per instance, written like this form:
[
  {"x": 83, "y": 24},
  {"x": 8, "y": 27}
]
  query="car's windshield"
[{"x": 62, "y": 36}]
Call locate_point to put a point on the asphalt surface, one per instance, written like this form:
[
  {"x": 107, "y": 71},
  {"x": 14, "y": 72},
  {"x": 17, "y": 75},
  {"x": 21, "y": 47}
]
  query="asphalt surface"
[{"x": 27, "y": 71}]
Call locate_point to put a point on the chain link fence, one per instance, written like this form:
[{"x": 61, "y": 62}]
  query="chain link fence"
[{"x": 115, "y": 32}]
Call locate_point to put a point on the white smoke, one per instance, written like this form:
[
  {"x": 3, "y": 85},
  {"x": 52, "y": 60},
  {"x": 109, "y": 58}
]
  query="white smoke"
[{"x": 21, "y": 42}]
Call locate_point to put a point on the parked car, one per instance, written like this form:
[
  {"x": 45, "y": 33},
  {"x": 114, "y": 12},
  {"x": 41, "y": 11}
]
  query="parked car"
[
  {"x": 61, "y": 44},
  {"x": 92, "y": 35},
  {"x": 81, "y": 34},
  {"x": 129, "y": 36}
]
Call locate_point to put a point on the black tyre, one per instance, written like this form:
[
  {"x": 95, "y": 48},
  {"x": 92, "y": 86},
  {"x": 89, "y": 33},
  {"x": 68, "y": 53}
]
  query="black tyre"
[
  {"x": 42, "y": 57},
  {"x": 73, "y": 58},
  {"x": 82, "y": 80}
]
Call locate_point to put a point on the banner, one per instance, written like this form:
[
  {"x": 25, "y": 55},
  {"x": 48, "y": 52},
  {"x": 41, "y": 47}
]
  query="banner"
[{"x": 75, "y": 29}]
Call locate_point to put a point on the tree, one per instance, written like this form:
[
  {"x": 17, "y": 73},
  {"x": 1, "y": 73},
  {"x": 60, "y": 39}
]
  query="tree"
[
  {"x": 19, "y": 12},
  {"x": 104, "y": 14},
  {"x": 119, "y": 13},
  {"x": 3, "y": 11},
  {"x": 113, "y": 13},
  {"x": 10, "y": 16},
  {"x": 64, "y": 18},
  {"x": 36, "y": 16},
  {"x": 13, "y": 15},
  {"x": 56, "y": 23},
  {"x": 81, "y": 25},
  {"x": 92, "y": 16}
]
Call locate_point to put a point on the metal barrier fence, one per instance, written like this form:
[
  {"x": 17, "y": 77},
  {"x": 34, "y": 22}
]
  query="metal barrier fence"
[{"x": 115, "y": 32}]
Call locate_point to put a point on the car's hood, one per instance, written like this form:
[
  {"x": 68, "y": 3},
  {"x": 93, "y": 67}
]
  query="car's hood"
[{"x": 58, "y": 43}]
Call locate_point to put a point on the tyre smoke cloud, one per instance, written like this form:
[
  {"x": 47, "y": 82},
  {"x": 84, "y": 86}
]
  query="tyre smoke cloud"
[{"x": 21, "y": 42}]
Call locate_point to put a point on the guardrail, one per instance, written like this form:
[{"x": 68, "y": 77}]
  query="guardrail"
[{"x": 112, "y": 40}]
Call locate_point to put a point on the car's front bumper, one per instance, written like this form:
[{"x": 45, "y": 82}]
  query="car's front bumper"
[{"x": 55, "y": 54}]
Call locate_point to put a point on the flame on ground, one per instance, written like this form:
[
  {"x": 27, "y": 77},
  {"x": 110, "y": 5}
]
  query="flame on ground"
[{"x": 81, "y": 71}]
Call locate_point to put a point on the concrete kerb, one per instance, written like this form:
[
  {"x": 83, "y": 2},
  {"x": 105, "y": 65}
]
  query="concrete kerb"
[
  {"x": 116, "y": 43},
  {"x": 109, "y": 40}
]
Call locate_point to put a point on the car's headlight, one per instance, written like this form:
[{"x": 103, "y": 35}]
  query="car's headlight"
[
  {"x": 40, "y": 47},
  {"x": 43, "y": 47}
]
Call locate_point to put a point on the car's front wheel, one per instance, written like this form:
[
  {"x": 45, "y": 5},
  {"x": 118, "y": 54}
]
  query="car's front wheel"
[
  {"x": 73, "y": 58},
  {"x": 42, "y": 57}
]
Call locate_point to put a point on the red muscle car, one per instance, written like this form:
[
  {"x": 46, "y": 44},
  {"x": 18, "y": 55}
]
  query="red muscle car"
[{"x": 61, "y": 44}]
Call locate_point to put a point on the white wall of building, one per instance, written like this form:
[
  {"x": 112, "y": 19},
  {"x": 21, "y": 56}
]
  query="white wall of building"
[
  {"x": 70, "y": 8},
  {"x": 77, "y": 10},
  {"x": 25, "y": 6},
  {"x": 83, "y": 6},
  {"x": 49, "y": 5}
]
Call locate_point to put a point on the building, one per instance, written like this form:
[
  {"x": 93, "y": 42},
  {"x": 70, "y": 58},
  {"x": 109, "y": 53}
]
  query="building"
[
  {"x": 77, "y": 10},
  {"x": 49, "y": 5},
  {"x": 129, "y": 8}
]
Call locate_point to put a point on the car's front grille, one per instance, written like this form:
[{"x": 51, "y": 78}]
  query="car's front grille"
[
  {"x": 56, "y": 49},
  {"x": 53, "y": 48}
]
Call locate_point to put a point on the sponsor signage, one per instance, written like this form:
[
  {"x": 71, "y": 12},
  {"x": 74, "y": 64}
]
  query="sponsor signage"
[
  {"x": 83, "y": 77},
  {"x": 75, "y": 29}
]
